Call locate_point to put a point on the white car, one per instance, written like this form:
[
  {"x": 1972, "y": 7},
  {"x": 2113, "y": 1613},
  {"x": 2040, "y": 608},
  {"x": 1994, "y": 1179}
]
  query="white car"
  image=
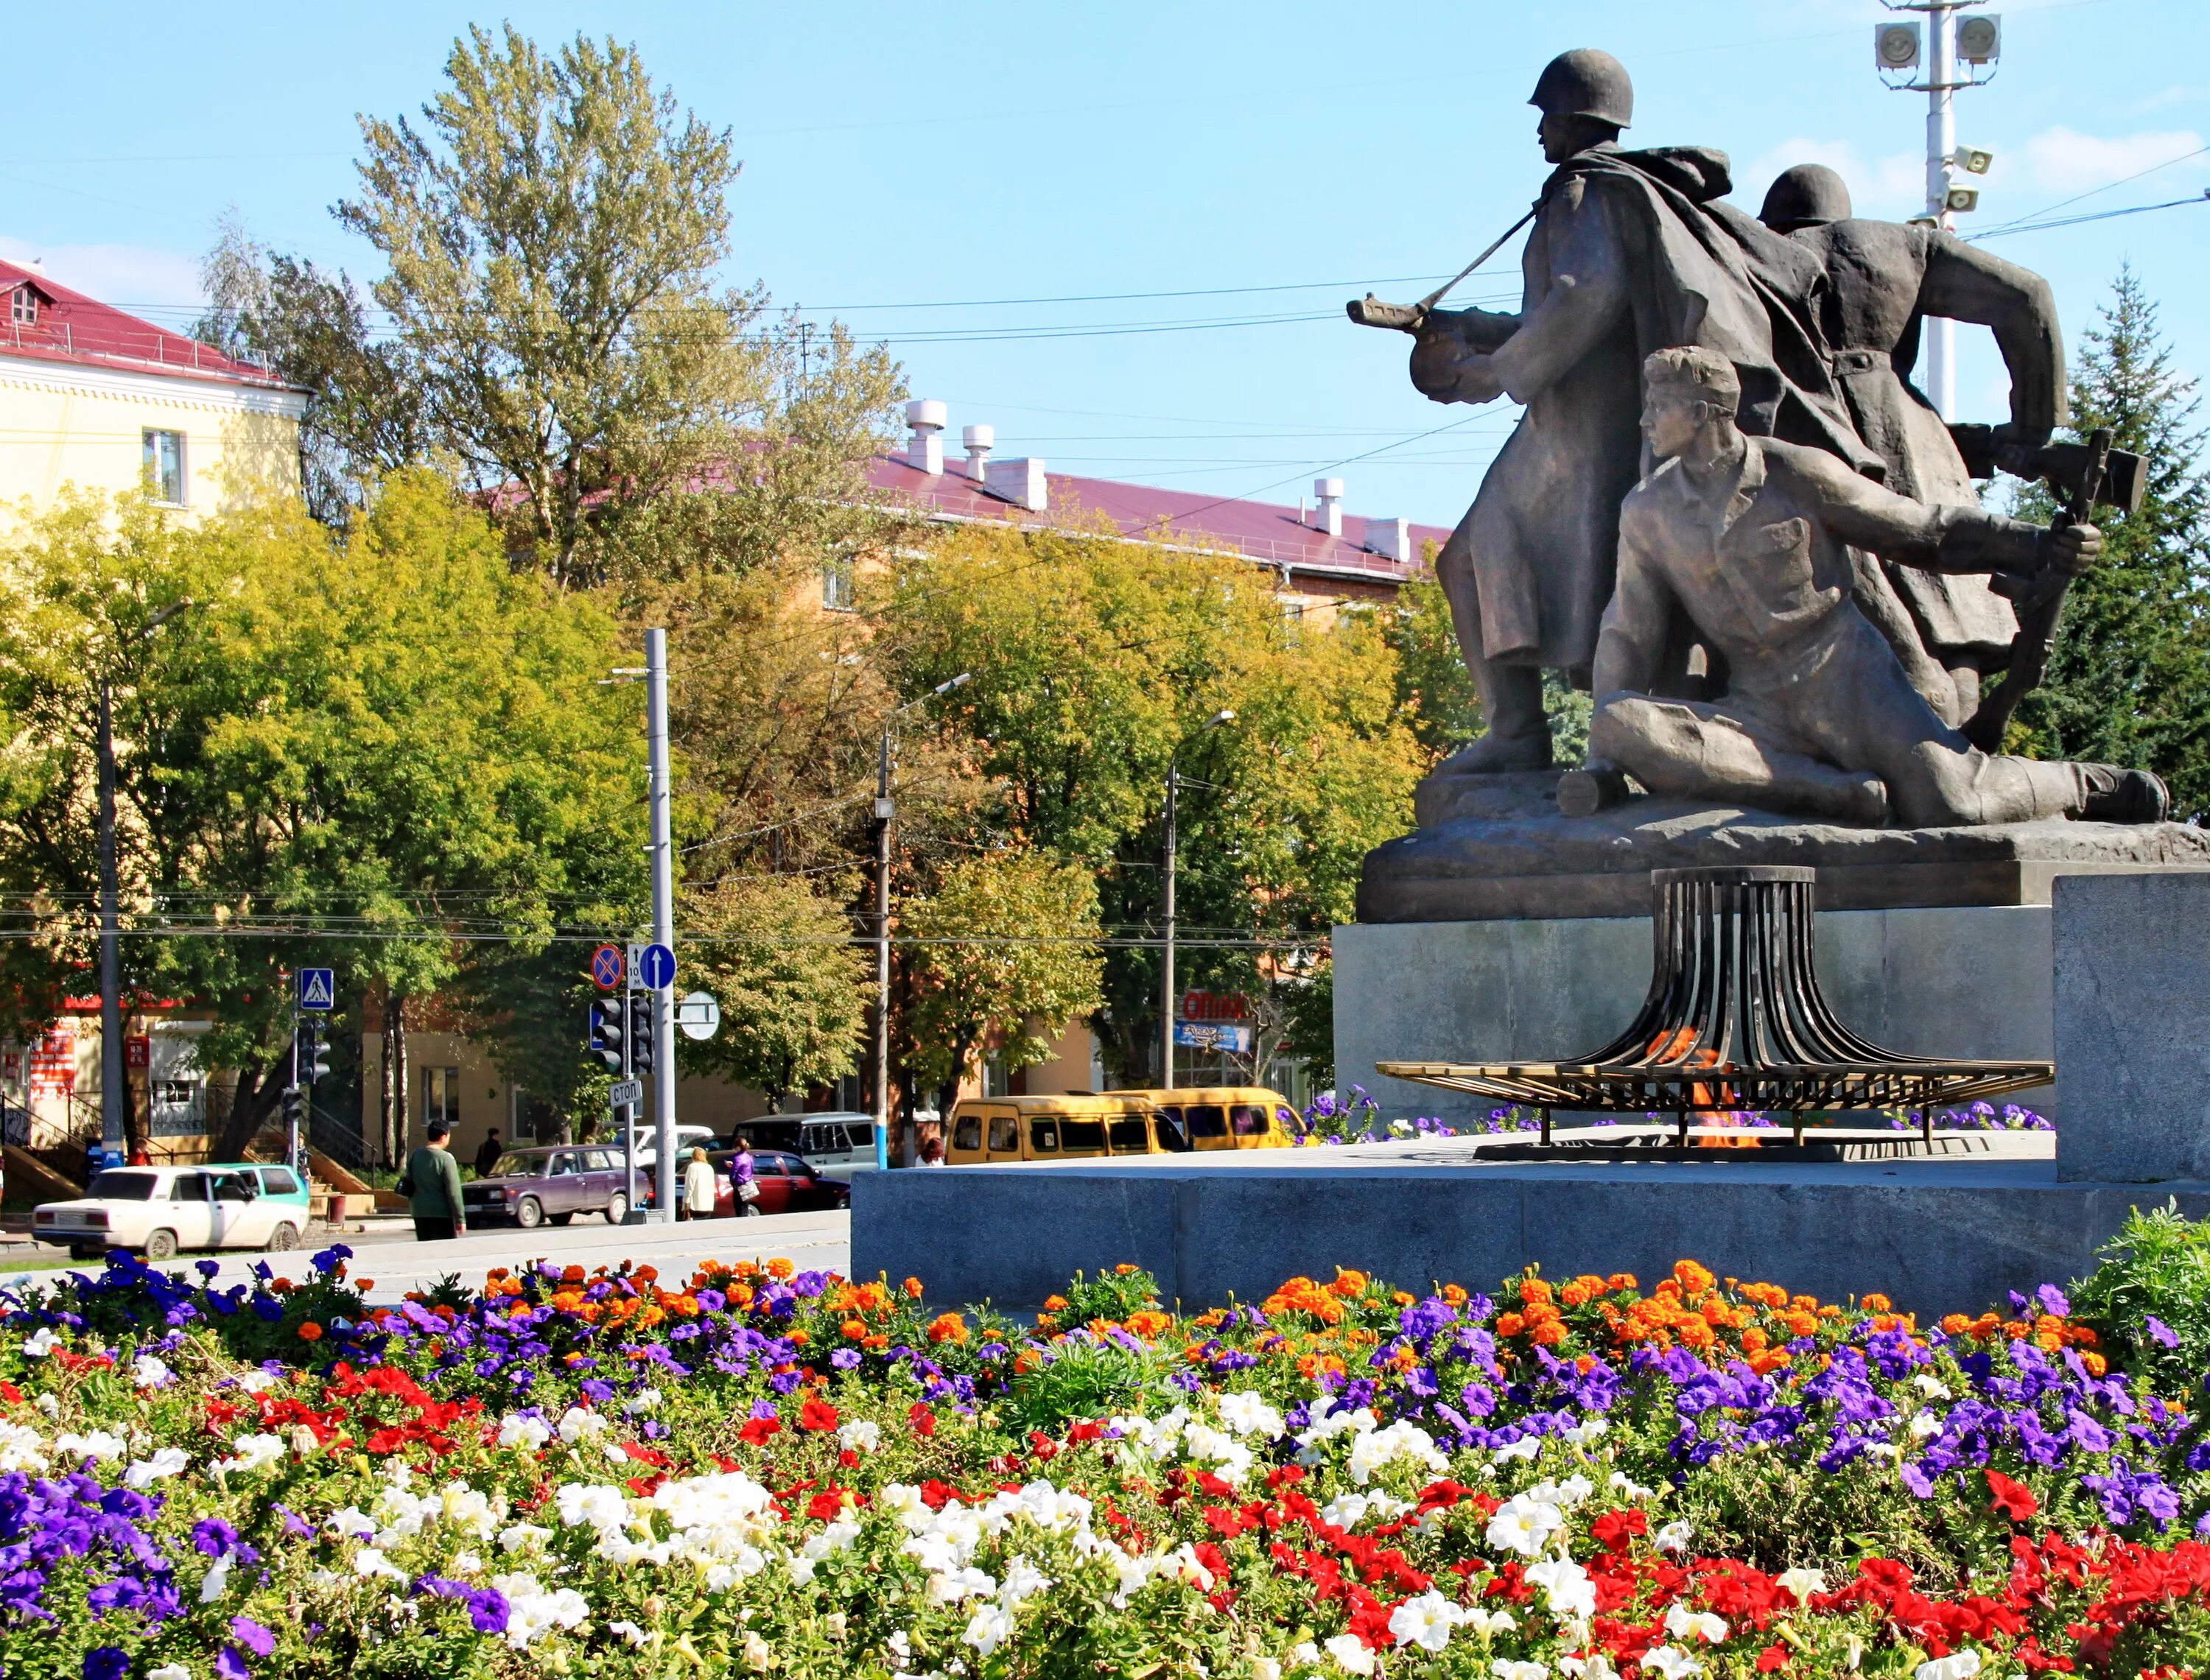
[
  {"x": 687, "y": 1138},
  {"x": 164, "y": 1209}
]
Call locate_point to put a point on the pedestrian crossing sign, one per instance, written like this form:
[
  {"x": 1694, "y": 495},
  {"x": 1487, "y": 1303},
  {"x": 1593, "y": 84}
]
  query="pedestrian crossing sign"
[{"x": 317, "y": 988}]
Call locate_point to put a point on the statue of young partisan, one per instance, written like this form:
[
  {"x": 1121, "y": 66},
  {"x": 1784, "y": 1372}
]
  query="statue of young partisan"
[{"x": 1748, "y": 538}]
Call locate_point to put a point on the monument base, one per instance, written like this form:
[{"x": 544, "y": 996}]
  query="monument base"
[
  {"x": 1496, "y": 848},
  {"x": 1965, "y": 983}
]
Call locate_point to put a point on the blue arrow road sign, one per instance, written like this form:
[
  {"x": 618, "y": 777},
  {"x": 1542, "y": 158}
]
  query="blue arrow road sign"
[
  {"x": 317, "y": 988},
  {"x": 606, "y": 967},
  {"x": 656, "y": 968}
]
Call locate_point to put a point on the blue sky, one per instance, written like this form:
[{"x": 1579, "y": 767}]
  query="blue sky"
[{"x": 973, "y": 153}]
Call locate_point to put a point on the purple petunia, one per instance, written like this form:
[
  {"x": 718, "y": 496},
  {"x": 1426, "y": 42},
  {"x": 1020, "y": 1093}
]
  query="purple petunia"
[
  {"x": 105, "y": 1662},
  {"x": 2159, "y": 1331},
  {"x": 252, "y": 1636}
]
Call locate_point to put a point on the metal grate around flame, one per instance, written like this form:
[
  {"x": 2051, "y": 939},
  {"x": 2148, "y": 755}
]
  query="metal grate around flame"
[{"x": 1734, "y": 1022}]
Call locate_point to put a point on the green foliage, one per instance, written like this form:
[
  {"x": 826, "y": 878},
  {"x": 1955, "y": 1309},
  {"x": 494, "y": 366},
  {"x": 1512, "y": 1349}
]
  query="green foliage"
[
  {"x": 1434, "y": 690},
  {"x": 2129, "y": 681},
  {"x": 2157, "y": 1266},
  {"x": 365, "y": 746},
  {"x": 776, "y": 954},
  {"x": 1008, "y": 938},
  {"x": 1088, "y": 1379},
  {"x": 1308, "y": 1005}
]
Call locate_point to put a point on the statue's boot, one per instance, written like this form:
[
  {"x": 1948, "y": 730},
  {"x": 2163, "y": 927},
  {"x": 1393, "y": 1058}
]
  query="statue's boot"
[
  {"x": 1518, "y": 735},
  {"x": 2117, "y": 795}
]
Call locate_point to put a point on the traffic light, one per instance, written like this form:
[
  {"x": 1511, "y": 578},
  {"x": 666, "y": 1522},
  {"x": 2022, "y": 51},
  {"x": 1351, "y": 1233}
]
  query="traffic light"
[
  {"x": 606, "y": 1040},
  {"x": 643, "y": 1040},
  {"x": 295, "y": 1106},
  {"x": 314, "y": 1053}
]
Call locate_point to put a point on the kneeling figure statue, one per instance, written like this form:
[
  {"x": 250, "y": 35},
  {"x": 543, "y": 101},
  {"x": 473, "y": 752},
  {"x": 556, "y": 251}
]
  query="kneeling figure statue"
[{"x": 1748, "y": 538}]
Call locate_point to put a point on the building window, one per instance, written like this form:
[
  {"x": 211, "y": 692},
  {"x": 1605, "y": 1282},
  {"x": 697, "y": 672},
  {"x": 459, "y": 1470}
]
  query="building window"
[
  {"x": 165, "y": 466},
  {"x": 996, "y": 1082},
  {"x": 23, "y": 306},
  {"x": 836, "y": 585},
  {"x": 441, "y": 1096}
]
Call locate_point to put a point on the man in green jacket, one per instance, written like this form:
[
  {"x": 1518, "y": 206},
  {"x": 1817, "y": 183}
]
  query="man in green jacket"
[{"x": 431, "y": 1183}]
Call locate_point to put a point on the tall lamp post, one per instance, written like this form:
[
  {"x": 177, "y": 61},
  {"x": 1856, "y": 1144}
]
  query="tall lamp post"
[
  {"x": 112, "y": 1128},
  {"x": 886, "y": 809},
  {"x": 1167, "y": 965}
]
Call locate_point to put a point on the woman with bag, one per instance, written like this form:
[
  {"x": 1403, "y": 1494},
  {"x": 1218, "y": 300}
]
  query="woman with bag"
[
  {"x": 745, "y": 1181},
  {"x": 698, "y": 1196}
]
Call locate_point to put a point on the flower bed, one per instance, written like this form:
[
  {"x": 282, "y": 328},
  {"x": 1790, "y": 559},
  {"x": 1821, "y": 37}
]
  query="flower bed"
[{"x": 785, "y": 1472}]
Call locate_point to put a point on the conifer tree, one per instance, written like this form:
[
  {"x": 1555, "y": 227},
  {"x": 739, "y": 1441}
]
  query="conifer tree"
[{"x": 2130, "y": 682}]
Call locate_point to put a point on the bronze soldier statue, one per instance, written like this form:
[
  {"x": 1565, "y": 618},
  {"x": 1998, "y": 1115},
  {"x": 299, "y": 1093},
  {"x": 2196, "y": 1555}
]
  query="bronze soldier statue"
[
  {"x": 1882, "y": 278},
  {"x": 1749, "y": 538},
  {"x": 1629, "y": 251}
]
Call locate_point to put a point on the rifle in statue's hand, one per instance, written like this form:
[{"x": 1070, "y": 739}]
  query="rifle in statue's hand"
[
  {"x": 2040, "y": 603},
  {"x": 1371, "y": 311}
]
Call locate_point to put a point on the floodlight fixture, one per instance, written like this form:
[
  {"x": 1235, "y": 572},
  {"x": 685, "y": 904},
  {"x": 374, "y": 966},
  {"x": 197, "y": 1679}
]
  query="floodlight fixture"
[
  {"x": 1898, "y": 46},
  {"x": 1979, "y": 38}
]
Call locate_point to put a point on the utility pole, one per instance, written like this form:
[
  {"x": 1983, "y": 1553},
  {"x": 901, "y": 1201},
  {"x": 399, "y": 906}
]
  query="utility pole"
[
  {"x": 112, "y": 1092},
  {"x": 1950, "y": 50},
  {"x": 663, "y": 925},
  {"x": 1167, "y": 999},
  {"x": 885, "y": 809}
]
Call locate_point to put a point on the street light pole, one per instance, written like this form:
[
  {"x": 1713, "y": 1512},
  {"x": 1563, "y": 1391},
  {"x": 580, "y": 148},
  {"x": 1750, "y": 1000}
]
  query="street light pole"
[
  {"x": 663, "y": 924},
  {"x": 113, "y": 1127},
  {"x": 885, "y": 809},
  {"x": 1167, "y": 962}
]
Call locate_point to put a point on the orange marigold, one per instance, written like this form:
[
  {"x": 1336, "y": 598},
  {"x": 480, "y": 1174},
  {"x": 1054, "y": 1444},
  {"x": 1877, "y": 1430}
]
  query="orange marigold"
[
  {"x": 1348, "y": 1284},
  {"x": 796, "y": 1338},
  {"x": 1875, "y": 1302},
  {"x": 1535, "y": 1290},
  {"x": 781, "y": 1269},
  {"x": 947, "y": 1326},
  {"x": 1694, "y": 1333},
  {"x": 1620, "y": 1282},
  {"x": 1510, "y": 1324},
  {"x": 311, "y": 1331},
  {"x": 1455, "y": 1294},
  {"x": 1692, "y": 1277},
  {"x": 2095, "y": 1363},
  {"x": 1549, "y": 1334},
  {"x": 855, "y": 1330},
  {"x": 1574, "y": 1295},
  {"x": 912, "y": 1287},
  {"x": 1402, "y": 1298},
  {"x": 1149, "y": 1325},
  {"x": 1955, "y": 1324},
  {"x": 1125, "y": 1269},
  {"x": 1054, "y": 1304}
]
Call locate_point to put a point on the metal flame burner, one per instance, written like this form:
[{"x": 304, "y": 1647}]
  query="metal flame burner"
[{"x": 1735, "y": 1021}]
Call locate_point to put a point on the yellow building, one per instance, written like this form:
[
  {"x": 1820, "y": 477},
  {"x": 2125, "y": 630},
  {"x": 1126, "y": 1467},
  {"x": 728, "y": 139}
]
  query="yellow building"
[{"x": 96, "y": 398}]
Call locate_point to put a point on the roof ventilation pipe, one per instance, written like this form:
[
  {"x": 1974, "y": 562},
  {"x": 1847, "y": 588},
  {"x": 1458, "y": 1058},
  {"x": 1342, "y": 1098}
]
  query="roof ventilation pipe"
[
  {"x": 980, "y": 441},
  {"x": 1392, "y": 539},
  {"x": 924, "y": 450},
  {"x": 1328, "y": 516}
]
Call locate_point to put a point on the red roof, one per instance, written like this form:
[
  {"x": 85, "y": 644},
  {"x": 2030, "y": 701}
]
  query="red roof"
[
  {"x": 1267, "y": 532},
  {"x": 73, "y": 328}
]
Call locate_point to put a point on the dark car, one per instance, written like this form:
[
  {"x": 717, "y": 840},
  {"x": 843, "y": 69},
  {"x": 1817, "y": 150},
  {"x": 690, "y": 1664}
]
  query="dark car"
[
  {"x": 788, "y": 1184},
  {"x": 555, "y": 1183}
]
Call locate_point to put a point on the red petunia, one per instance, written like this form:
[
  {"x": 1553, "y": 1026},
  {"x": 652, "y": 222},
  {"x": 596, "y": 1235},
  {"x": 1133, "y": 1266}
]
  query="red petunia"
[
  {"x": 1774, "y": 1655},
  {"x": 2013, "y": 1499},
  {"x": 816, "y": 1414},
  {"x": 922, "y": 1420},
  {"x": 14, "y": 1395},
  {"x": 757, "y": 1431}
]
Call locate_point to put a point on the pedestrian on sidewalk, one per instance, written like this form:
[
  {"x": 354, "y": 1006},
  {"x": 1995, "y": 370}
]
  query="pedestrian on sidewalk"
[
  {"x": 431, "y": 1185},
  {"x": 743, "y": 1180},
  {"x": 700, "y": 1184},
  {"x": 488, "y": 1152}
]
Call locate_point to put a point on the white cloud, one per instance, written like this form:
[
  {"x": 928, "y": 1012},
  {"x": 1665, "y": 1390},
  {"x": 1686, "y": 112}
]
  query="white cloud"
[
  {"x": 162, "y": 285},
  {"x": 2065, "y": 160},
  {"x": 1892, "y": 186}
]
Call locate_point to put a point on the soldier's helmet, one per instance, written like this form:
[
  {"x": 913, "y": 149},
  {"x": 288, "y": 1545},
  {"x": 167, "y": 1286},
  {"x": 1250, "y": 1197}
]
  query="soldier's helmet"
[
  {"x": 1808, "y": 196},
  {"x": 1585, "y": 82}
]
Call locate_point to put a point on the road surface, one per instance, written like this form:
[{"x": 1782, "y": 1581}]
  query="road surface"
[{"x": 394, "y": 1262}]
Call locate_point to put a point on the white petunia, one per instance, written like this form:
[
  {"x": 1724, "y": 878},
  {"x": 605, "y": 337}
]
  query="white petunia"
[
  {"x": 1402, "y": 1439},
  {"x": 254, "y": 1383},
  {"x": 1673, "y": 1537},
  {"x": 1596, "y": 1667},
  {"x": 517, "y": 1431},
  {"x": 352, "y": 1520},
  {"x": 1504, "y": 1668},
  {"x": 99, "y": 1444},
  {"x": 1527, "y": 1447},
  {"x": 466, "y": 1563},
  {"x": 1133, "y": 1573},
  {"x": 1426, "y": 1621},
  {"x": 1924, "y": 1424},
  {"x": 1524, "y": 1525},
  {"x": 1957, "y": 1666},
  {"x": 1683, "y": 1622},
  {"x": 1589, "y": 1429},
  {"x": 148, "y": 1372},
  {"x": 1182, "y": 1564},
  {"x": 1620, "y": 1482},
  {"x": 166, "y": 1461},
  {"x": 368, "y": 1561},
  {"x": 954, "y": 1587},
  {"x": 530, "y": 1610},
  {"x": 1266, "y": 1668},
  {"x": 1305, "y": 1653},
  {"x": 799, "y": 1567},
  {"x": 21, "y": 1448},
  {"x": 578, "y": 1425},
  {"x": 631, "y": 1632},
  {"x": 1565, "y": 1585},
  {"x": 1248, "y": 1414},
  {"x": 859, "y": 1435},
  {"x": 1487, "y": 1620},
  {"x": 1230, "y": 1460},
  {"x": 1022, "y": 1582},
  {"x": 900, "y": 1649},
  {"x": 593, "y": 1502},
  {"x": 216, "y": 1581},
  {"x": 1930, "y": 1385},
  {"x": 1801, "y": 1583},
  {"x": 169, "y": 1671},
  {"x": 519, "y": 1536},
  {"x": 255, "y": 1452},
  {"x": 641, "y": 1401},
  {"x": 758, "y": 1653},
  {"x": 991, "y": 1626},
  {"x": 1350, "y": 1654},
  {"x": 1668, "y": 1662},
  {"x": 40, "y": 1342}
]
